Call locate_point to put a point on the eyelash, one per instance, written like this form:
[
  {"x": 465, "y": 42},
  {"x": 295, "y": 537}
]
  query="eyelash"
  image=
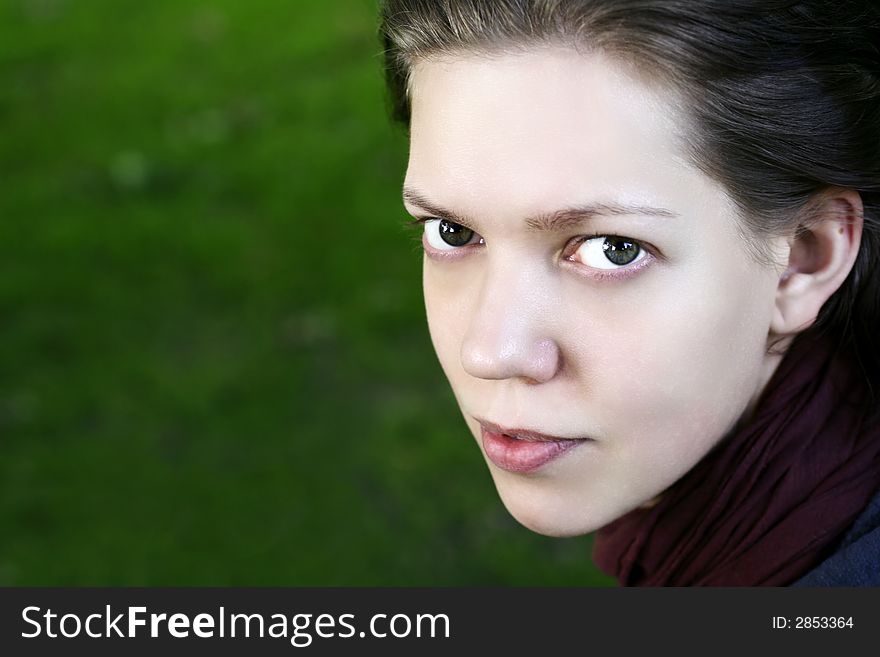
[
  {"x": 621, "y": 273},
  {"x": 452, "y": 254}
]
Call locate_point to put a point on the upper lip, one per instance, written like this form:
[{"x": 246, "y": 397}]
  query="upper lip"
[{"x": 525, "y": 434}]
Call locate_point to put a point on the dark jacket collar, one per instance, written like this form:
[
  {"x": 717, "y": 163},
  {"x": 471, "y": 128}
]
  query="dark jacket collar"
[{"x": 856, "y": 562}]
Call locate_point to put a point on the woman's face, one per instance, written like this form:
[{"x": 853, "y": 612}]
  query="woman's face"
[{"x": 588, "y": 292}]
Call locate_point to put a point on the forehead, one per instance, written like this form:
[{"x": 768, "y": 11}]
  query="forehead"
[{"x": 539, "y": 125}]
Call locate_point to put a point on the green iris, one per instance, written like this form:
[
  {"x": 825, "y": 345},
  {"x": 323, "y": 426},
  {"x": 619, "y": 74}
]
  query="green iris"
[
  {"x": 455, "y": 234},
  {"x": 620, "y": 251}
]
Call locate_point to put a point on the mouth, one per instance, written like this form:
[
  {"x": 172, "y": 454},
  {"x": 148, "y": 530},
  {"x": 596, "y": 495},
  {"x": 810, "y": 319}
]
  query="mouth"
[{"x": 523, "y": 450}]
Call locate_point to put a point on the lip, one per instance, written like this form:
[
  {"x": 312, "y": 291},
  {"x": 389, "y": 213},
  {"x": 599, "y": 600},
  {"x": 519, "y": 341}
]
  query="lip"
[{"x": 523, "y": 450}]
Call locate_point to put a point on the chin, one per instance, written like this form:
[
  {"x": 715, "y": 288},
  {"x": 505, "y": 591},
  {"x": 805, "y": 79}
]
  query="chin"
[
  {"x": 550, "y": 517},
  {"x": 552, "y": 529}
]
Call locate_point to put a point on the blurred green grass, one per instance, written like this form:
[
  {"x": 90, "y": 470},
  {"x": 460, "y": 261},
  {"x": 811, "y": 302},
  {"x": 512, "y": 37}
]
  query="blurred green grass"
[{"x": 214, "y": 365}]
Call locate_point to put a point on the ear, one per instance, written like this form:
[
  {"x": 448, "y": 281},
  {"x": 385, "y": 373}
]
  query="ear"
[{"x": 821, "y": 255}]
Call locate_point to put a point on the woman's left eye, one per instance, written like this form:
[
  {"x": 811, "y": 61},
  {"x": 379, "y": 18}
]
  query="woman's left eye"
[{"x": 608, "y": 252}]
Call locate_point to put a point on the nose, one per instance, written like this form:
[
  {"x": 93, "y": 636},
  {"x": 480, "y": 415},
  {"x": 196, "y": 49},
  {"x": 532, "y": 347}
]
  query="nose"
[{"x": 509, "y": 333}]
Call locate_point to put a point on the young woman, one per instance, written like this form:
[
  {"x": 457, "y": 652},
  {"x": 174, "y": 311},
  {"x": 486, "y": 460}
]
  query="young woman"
[{"x": 650, "y": 228}]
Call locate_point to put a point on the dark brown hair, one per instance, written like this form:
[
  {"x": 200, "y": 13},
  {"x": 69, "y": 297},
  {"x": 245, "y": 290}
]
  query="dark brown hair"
[{"x": 783, "y": 97}]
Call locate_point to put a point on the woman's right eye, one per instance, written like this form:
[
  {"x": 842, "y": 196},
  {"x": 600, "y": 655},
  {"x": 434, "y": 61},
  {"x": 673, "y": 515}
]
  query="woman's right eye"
[{"x": 444, "y": 235}]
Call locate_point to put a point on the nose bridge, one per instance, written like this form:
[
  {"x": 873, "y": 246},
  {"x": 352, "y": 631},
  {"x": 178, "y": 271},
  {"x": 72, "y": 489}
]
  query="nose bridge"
[{"x": 510, "y": 330}]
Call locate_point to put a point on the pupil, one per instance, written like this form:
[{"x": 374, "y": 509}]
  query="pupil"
[
  {"x": 620, "y": 251},
  {"x": 455, "y": 234}
]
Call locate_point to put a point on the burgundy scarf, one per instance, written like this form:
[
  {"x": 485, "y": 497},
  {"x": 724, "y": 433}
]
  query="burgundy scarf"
[{"x": 770, "y": 502}]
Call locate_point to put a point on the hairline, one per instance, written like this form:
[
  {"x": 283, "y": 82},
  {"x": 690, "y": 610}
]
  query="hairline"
[{"x": 654, "y": 76}]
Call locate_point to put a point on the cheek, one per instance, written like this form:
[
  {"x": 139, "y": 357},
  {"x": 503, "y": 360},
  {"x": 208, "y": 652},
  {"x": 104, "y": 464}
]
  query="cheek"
[{"x": 689, "y": 363}]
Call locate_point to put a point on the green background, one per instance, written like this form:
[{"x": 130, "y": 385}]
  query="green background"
[{"x": 214, "y": 364}]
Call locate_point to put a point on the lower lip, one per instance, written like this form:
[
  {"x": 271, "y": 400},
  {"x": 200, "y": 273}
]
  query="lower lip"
[{"x": 515, "y": 455}]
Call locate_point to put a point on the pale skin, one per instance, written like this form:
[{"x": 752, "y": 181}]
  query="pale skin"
[{"x": 656, "y": 360}]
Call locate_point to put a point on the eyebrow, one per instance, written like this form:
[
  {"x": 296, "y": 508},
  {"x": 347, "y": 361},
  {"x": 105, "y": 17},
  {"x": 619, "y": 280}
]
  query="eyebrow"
[{"x": 556, "y": 220}]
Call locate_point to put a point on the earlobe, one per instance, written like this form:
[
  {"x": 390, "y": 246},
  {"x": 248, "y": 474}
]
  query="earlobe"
[{"x": 821, "y": 254}]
